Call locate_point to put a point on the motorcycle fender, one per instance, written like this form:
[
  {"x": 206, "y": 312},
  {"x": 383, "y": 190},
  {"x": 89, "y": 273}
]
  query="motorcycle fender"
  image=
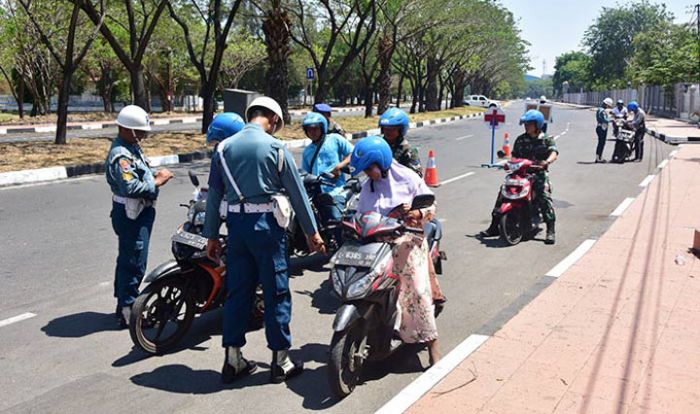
[
  {"x": 346, "y": 315},
  {"x": 164, "y": 269},
  {"x": 505, "y": 207}
]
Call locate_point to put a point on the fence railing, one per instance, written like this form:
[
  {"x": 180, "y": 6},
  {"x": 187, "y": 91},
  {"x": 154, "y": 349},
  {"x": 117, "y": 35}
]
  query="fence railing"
[{"x": 678, "y": 101}]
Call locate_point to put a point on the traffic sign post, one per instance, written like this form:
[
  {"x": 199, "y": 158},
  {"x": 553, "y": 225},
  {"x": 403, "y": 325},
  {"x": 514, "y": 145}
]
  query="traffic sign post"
[
  {"x": 310, "y": 75},
  {"x": 493, "y": 117}
]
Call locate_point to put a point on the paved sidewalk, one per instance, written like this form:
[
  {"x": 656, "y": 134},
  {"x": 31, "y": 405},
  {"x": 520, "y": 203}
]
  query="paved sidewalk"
[
  {"x": 618, "y": 332},
  {"x": 673, "y": 131}
]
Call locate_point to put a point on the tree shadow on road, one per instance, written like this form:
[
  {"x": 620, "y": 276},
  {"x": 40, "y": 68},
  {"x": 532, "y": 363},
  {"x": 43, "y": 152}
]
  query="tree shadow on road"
[
  {"x": 314, "y": 262},
  {"x": 81, "y": 324}
]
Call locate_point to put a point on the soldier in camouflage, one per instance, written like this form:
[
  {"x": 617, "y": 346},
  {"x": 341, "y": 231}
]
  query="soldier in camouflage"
[{"x": 537, "y": 146}]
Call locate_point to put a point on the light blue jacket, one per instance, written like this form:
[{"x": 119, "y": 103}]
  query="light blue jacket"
[{"x": 128, "y": 173}]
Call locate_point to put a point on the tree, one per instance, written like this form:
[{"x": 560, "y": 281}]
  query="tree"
[
  {"x": 104, "y": 69},
  {"x": 206, "y": 59},
  {"x": 609, "y": 39},
  {"x": 69, "y": 60},
  {"x": 244, "y": 53},
  {"x": 137, "y": 27},
  {"x": 665, "y": 55},
  {"x": 356, "y": 19},
  {"x": 574, "y": 68},
  {"x": 277, "y": 29}
]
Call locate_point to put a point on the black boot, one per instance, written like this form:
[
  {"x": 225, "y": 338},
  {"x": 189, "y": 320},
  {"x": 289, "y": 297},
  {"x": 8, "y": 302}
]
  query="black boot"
[
  {"x": 550, "y": 239},
  {"x": 283, "y": 368},
  {"x": 492, "y": 231},
  {"x": 235, "y": 366}
]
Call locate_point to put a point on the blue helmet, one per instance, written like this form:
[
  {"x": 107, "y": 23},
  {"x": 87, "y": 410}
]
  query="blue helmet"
[
  {"x": 632, "y": 106},
  {"x": 223, "y": 126},
  {"x": 533, "y": 115},
  {"x": 394, "y": 117},
  {"x": 370, "y": 150},
  {"x": 312, "y": 119},
  {"x": 322, "y": 108}
]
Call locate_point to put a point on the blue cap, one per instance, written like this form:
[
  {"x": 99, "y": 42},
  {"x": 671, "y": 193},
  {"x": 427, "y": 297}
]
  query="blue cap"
[{"x": 322, "y": 108}]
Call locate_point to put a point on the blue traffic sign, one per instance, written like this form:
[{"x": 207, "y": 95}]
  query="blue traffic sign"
[{"x": 309, "y": 73}]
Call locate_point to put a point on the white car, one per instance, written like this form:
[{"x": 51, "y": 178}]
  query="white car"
[{"x": 480, "y": 101}]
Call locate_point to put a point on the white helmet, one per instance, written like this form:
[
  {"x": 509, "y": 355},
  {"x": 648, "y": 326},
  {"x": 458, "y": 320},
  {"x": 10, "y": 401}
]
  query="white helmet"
[
  {"x": 133, "y": 117},
  {"x": 270, "y": 104},
  {"x": 608, "y": 101},
  {"x": 543, "y": 98}
]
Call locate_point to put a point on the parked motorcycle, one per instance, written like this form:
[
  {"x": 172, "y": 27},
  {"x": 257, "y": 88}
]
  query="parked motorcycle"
[
  {"x": 179, "y": 289},
  {"x": 624, "y": 142},
  {"x": 519, "y": 207},
  {"x": 328, "y": 229},
  {"x": 362, "y": 277}
]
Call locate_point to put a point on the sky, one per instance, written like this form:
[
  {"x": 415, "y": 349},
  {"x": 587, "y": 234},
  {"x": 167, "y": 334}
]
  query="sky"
[{"x": 556, "y": 26}]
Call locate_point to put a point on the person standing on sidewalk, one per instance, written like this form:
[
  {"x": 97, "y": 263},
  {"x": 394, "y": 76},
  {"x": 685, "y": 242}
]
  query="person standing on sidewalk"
[
  {"x": 638, "y": 125},
  {"x": 134, "y": 188},
  {"x": 602, "y": 118},
  {"x": 252, "y": 169}
]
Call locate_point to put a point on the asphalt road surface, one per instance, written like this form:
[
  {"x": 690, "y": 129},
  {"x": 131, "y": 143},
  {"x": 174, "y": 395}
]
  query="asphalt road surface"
[{"x": 59, "y": 252}]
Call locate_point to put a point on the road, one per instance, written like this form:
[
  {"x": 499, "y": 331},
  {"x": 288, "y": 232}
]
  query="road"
[{"x": 59, "y": 252}]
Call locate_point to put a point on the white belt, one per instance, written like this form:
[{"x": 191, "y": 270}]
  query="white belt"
[
  {"x": 252, "y": 208},
  {"x": 122, "y": 200}
]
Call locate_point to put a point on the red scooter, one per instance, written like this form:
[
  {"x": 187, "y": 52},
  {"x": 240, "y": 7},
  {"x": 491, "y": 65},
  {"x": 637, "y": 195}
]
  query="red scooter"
[{"x": 518, "y": 208}]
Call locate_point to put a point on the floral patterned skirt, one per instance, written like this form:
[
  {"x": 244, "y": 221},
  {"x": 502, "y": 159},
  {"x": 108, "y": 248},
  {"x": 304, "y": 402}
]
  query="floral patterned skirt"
[{"x": 415, "y": 302}]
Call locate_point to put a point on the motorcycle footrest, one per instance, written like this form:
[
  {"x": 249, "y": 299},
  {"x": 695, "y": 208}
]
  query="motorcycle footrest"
[{"x": 443, "y": 255}]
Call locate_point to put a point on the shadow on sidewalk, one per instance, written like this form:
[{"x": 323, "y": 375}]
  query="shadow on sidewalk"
[{"x": 640, "y": 302}]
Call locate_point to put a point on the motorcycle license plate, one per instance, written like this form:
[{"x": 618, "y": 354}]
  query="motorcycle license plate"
[
  {"x": 349, "y": 256},
  {"x": 190, "y": 239}
]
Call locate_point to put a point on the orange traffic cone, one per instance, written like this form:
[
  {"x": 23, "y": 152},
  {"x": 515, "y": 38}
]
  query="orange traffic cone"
[
  {"x": 431, "y": 178},
  {"x": 506, "y": 145}
]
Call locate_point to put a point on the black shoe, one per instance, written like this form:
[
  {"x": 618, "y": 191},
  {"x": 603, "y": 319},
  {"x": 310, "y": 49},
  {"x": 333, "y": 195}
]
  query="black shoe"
[
  {"x": 229, "y": 374},
  {"x": 122, "y": 323},
  {"x": 490, "y": 232},
  {"x": 550, "y": 239},
  {"x": 277, "y": 374},
  {"x": 439, "y": 305}
]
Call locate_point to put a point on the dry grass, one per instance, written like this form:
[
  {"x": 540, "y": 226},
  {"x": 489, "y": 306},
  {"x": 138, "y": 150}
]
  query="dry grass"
[
  {"x": 13, "y": 119},
  {"x": 30, "y": 155}
]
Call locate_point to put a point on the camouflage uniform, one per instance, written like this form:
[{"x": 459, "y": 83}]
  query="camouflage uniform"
[
  {"x": 407, "y": 155},
  {"x": 538, "y": 149}
]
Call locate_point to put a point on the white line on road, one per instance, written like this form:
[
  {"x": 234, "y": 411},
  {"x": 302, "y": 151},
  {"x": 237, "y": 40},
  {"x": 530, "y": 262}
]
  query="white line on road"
[
  {"x": 662, "y": 164},
  {"x": 622, "y": 207},
  {"x": 572, "y": 258},
  {"x": 17, "y": 318},
  {"x": 459, "y": 177},
  {"x": 464, "y": 137},
  {"x": 412, "y": 393},
  {"x": 442, "y": 220},
  {"x": 647, "y": 180}
]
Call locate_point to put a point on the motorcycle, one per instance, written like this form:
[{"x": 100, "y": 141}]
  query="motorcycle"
[
  {"x": 179, "y": 289},
  {"x": 518, "y": 209},
  {"x": 362, "y": 277},
  {"x": 328, "y": 229},
  {"x": 624, "y": 142}
]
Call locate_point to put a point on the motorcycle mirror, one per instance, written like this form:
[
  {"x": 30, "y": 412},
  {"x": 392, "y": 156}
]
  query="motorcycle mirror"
[
  {"x": 501, "y": 154},
  {"x": 422, "y": 201},
  {"x": 193, "y": 178}
]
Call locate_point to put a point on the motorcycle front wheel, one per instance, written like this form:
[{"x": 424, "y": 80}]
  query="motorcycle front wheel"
[
  {"x": 161, "y": 315},
  {"x": 511, "y": 227},
  {"x": 347, "y": 358}
]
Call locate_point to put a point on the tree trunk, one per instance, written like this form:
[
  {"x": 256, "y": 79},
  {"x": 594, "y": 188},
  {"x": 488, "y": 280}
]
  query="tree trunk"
[
  {"x": 415, "y": 94},
  {"x": 385, "y": 50},
  {"x": 368, "y": 102},
  {"x": 62, "y": 107},
  {"x": 138, "y": 87},
  {"x": 431, "y": 90},
  {"x": 20, "y": 98},
  {"x": 459, "y": 83},
  {"x": 441, "y": 95},
  {"x": 398, "y": 94},
  {"x": 207, "y": 95},
  {"x": 276, "y": 26}
]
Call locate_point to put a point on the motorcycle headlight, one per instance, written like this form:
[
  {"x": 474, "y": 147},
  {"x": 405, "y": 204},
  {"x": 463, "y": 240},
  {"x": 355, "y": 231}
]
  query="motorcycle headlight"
[
  {"x": 360, "y": 287},
  {"x": 199, "y": 218}
]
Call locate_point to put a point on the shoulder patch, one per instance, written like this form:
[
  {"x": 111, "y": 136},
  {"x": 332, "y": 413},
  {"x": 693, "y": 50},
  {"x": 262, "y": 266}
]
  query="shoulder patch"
[{"x": 125, "y": 164}]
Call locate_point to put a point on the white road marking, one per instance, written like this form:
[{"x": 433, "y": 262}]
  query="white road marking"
[
  {"x": 622, "y": 207},
  {"x": 17, "y": 318},
  {"x": 459, "y": 177},
  {"x": 662, "y": 164},
  {"x": 442, "y": 220},
  {"x": 464, "y": 137},
  {"x": 572, "y": 258},
  {"x": 421, "y": 385},
  {"x": 647, "y": 180}
]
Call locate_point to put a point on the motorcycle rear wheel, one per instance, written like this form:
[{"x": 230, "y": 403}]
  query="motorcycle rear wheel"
[
  {"x": 511, "y": 227},
  {"x": 160, "y": 307},
  {"x": 344, "y": 365}
]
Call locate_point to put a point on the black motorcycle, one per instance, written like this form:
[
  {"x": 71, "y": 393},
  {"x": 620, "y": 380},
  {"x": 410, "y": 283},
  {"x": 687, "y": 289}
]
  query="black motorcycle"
[
  {"x": 179, "y": 289},
  {"x": 624, "y": 142},
  {"x": 328, "y": 229}
]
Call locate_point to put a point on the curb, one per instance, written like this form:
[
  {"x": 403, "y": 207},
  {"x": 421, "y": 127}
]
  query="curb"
[
  {"x": 71, "y": 171},
  {"x": 672, "y": 139},
  {"x": 98, "y": 125}
]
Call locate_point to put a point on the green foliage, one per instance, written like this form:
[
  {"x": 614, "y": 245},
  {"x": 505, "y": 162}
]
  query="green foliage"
[{"x": 573, "y": 68}]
